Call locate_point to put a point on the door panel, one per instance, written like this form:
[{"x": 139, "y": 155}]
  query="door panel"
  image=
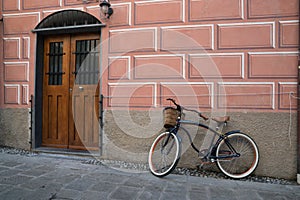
[
  {"x": 55, "y": 92},
  {"x": 70, "y": 94},
  {"x": 84, "y": 130}
]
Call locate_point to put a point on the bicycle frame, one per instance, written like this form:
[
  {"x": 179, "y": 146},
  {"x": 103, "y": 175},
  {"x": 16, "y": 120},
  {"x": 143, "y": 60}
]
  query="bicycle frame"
[{"x": 212, "y": 148}]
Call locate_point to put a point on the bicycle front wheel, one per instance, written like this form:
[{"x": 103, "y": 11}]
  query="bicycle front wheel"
[
  {"x": 237, "y": 155},
  {"x": 164, "y": 154}
]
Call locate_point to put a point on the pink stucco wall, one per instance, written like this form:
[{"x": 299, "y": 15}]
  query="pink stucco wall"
[{"x": 252, "y": 44}]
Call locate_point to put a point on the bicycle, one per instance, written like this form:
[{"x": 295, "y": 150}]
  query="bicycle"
[{"x": 235, "y": 153}]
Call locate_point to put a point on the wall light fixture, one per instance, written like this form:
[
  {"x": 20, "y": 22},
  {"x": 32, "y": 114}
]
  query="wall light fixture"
[{"x": 106, "y": 9}]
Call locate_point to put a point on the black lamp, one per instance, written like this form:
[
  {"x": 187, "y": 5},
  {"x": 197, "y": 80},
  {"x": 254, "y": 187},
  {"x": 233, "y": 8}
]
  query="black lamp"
[{"x": 106, "y": 9}]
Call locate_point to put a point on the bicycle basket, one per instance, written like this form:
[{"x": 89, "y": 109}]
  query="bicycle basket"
[{"x": 170, "y": 117}]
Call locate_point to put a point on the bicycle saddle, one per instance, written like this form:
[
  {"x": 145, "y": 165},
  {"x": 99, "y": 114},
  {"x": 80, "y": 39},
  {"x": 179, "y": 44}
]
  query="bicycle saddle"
[{"x": 224, "y": 119}]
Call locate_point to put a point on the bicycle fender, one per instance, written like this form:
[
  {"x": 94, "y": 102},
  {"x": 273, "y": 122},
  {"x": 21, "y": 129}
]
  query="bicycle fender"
[
  {"x": 231, "y": 132},
  {"x": 179, "y": 138}
]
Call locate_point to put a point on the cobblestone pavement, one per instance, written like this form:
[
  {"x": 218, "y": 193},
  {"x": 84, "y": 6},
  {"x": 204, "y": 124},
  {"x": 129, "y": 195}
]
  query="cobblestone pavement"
[{"x": 43, "y": 177}]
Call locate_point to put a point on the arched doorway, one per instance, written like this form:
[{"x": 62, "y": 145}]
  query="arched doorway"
[{"x": 66, "y": 41}]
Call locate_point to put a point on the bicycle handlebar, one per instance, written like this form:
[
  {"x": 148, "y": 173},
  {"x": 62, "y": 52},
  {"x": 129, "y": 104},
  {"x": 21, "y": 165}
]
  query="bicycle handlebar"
[
  {"x": 179, "y": 107},
  {"x": 173, "y": 101}
]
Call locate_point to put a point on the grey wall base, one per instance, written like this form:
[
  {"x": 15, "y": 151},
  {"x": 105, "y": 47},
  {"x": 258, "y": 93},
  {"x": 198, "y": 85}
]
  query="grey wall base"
[
  {"x": 128, "y": 136},
  {"x": 14, "y": 127}
]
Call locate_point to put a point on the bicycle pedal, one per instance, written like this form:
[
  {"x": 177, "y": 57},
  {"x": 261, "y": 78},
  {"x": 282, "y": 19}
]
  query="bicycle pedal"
[{"x": 199, "y": 167}]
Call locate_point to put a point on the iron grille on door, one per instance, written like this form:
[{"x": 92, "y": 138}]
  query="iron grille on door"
[
  {"x": 55, "y": 63},
  {"x": 86, "y": 62}
]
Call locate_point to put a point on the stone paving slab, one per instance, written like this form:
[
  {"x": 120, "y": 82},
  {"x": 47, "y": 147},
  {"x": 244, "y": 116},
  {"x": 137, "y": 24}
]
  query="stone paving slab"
[{"x": 37, "y": 177}]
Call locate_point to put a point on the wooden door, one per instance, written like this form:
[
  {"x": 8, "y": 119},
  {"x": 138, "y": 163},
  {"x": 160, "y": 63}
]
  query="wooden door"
[
  {"x": 84, "y": 129},
  {"x": 70, "y": 92}
]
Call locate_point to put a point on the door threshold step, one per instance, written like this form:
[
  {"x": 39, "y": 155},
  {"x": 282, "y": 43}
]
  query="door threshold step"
[{"x": 66, "y": 153}]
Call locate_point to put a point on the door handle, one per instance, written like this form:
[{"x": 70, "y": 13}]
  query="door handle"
[
  {"x": 71, "y": 89},
  {"x": 81, "y": 88}
]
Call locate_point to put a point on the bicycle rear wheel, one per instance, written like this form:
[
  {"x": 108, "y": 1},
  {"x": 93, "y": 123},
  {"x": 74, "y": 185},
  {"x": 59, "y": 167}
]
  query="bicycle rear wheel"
[
  {"x": 245, "y": 163},
  {"x": 164, "y": 154}
]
